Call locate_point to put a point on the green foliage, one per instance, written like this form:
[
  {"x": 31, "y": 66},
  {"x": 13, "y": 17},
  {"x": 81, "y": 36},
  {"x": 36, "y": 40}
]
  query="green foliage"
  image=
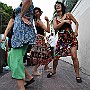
[
  {"x": 6, "y": 12},
  {"x": 70, "y": 4}
]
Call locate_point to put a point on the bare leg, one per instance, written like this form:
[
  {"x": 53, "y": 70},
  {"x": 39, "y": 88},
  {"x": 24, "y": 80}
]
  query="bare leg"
[
  {"x": 75, "y": 60},
  {"x": 34, "y": 70},
  {"x": 46, "y": 67},
  {"x": 55, "y": 63},
  {"x": 20, "y": 84},
  {"x": 76, "y": 64},
  {"x": 29, "y": 78},
  {"x": 27, "y": 75}
]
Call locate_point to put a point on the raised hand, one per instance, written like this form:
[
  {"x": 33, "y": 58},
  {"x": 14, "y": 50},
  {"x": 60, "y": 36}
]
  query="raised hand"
[
  {"x": 76, "y": 34},
  {"x": 46, "y": 18}
]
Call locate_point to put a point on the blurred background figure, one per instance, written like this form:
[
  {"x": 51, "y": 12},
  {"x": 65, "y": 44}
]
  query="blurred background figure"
[{"x": 3, "y": 52}]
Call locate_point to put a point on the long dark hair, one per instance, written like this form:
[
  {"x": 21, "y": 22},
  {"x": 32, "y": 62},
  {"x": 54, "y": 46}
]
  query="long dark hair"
[
  {"x": 13, "y": 14},
  {"x": 21, "y": 4},
  {"x": 36, "y": 8},
  {"x": 63, "y": 7}
]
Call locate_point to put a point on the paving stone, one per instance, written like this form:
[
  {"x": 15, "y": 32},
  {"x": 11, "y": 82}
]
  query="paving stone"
[{"x": 64, "y": 79}]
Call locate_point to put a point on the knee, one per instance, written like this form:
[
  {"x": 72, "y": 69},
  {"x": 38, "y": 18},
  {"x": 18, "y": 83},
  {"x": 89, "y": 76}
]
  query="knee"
[
  {"x": 56, "y": 58},
  {"x": 74, "y": 58}
]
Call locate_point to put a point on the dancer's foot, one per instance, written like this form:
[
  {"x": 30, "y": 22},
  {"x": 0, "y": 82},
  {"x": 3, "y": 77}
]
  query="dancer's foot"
[
  {"x": 29, "y": 82},
  {"x": 78, "y": 79},
  {"x": 46, "y": 67},
  {"x": 35, "y": 73},
  {"x": 48, "y": 70},
  {"x": 50, "y": 74}
]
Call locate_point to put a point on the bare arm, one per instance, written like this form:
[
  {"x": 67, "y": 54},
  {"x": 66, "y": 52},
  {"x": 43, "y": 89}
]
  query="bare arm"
[
  {"x": 25, "y": 6},
  {"x": 48, "y": 25},
  {"x": 40, "y": 23},
  {"x": 57, "y": 26},
  {"x": 9, "y": 26},
  {"x": 7, "y": 46},
  {"x": 75, "y": 21}
]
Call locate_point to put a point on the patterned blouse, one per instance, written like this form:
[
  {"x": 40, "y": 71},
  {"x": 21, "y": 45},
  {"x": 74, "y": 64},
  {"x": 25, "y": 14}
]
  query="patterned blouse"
[{"x": 23, "y": 33}]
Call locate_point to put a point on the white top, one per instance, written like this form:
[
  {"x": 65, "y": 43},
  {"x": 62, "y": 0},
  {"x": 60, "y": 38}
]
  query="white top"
[
  {"x": 51, "y": 41},
  {"x": 3, "y": 44}
]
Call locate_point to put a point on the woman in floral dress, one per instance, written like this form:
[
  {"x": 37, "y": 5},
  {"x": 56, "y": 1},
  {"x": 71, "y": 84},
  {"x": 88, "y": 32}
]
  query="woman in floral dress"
[
  {"x": 40, "y": 52},
  {"x": 67, "y": 42}
]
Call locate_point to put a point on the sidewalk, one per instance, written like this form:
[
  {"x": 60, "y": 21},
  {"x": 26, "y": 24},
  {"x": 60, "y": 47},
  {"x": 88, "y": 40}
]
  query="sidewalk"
[{"x": 63, "y": 80}]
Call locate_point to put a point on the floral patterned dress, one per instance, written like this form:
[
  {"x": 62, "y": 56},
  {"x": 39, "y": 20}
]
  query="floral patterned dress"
[
  {"x": 40, "y": 52},
  {"x": 66, "y": 40}
]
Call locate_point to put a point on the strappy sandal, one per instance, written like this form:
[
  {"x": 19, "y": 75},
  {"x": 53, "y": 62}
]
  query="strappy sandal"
[
  {"x": 78, "y": 79},
  {"x": 50, "y": 75},
  {"x": 29, "y": 82}
]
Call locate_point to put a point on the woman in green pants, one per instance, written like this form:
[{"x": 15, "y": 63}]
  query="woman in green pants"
[{"x": 23, "y": 35}]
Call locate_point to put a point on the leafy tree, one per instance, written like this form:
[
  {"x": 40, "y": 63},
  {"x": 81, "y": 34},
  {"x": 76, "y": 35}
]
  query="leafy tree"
[
  {"x": 70, "y": 4},
  {"x": 6, "y": 12}
]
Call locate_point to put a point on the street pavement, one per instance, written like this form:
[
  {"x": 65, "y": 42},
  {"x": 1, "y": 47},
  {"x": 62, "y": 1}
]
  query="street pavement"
[{"x": 64, "y": 79}]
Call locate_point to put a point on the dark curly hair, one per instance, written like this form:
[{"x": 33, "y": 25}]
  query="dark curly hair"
[
  {"x": 37, "y": 8},
  {"x": 63, "y": 7}
]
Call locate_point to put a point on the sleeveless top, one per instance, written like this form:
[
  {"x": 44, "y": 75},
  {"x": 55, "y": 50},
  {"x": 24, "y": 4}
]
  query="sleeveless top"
[
  {"x": 23, "y": 33},
  {"x": 64, "y": 26},
  {"x": 39, "y": 30}
]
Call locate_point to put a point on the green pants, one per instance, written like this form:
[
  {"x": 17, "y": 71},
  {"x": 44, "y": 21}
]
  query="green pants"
[{"x": 15, "y": 62}]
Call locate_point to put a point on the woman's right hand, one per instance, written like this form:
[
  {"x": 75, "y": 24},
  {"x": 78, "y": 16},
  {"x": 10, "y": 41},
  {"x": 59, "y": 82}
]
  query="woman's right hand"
[
  {"x": 25, "y": 20},
  {"x": 46, "y": 18}
]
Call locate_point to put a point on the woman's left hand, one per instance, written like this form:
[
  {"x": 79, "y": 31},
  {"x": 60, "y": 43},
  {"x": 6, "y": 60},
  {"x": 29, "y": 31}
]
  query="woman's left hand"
[{"x": 76, "y": 34}]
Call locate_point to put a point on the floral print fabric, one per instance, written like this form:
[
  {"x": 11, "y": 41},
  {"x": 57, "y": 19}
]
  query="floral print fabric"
[
  {"x": 41, "y": 53},
  {"x": 66, "y": 40},
  {"x": 23, "y": 33}
]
